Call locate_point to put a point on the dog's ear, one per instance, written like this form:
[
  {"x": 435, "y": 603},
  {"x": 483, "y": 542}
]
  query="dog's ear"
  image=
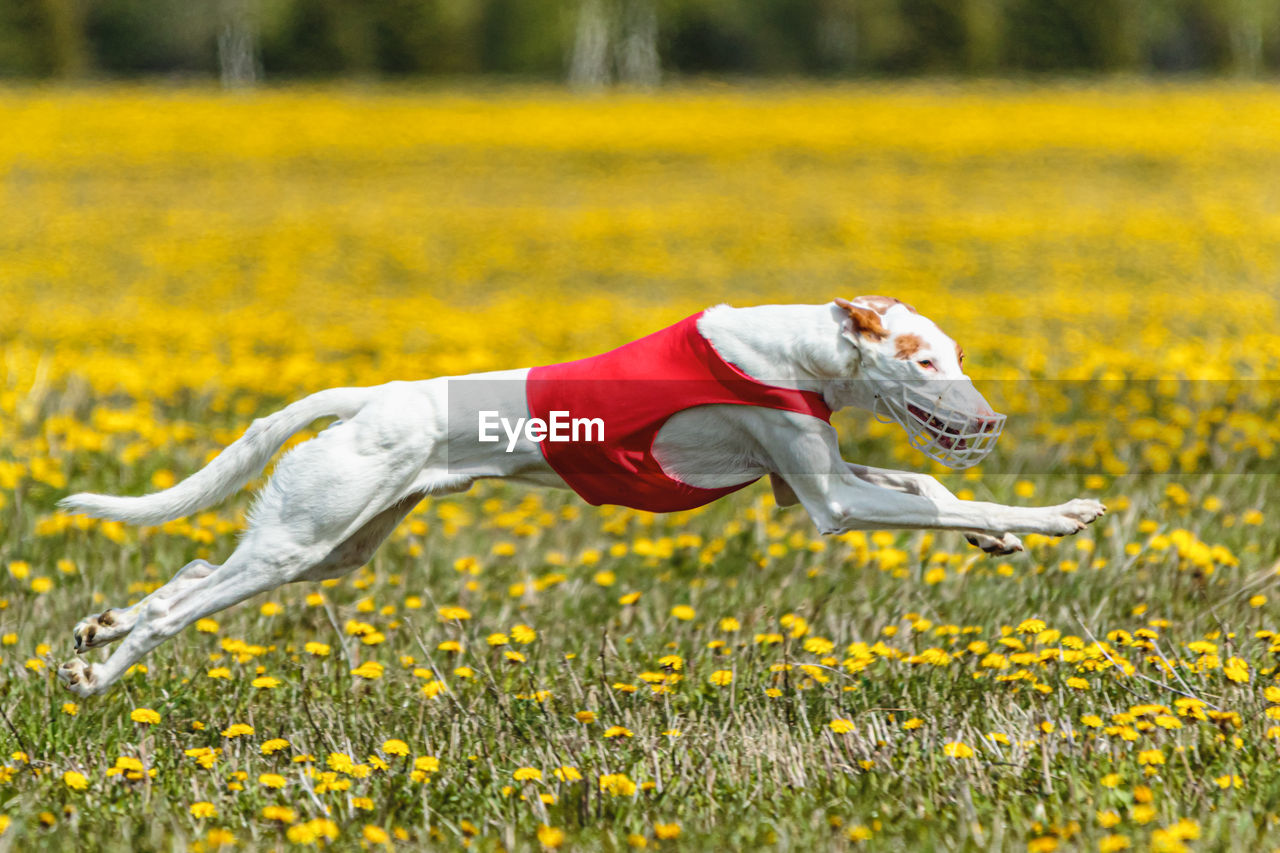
[
  {"x": 864, "y": 322},
  {"x": 881, "y": 304}
]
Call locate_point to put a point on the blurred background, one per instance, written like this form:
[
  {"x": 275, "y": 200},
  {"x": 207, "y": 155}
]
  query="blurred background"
[{"x": 592, "y": 42}]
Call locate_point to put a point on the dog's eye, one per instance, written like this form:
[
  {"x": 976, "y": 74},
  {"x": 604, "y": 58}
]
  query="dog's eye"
[{"x": 927, "y": 364}]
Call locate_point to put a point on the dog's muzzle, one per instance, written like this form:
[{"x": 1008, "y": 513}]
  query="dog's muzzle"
[{"x": 942, "y": 424}]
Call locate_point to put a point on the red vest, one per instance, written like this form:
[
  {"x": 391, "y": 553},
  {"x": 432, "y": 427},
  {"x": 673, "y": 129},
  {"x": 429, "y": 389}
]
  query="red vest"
[{"x": 633, "y": 390}]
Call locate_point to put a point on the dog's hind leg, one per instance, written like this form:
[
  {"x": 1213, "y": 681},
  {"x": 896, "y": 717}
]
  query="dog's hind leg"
[
  {"x": 247, "y": 572},
  {"x": 198, "y": 591},
  {"x": 115, "y": 623},
  {"x": 353, "y": 482}
]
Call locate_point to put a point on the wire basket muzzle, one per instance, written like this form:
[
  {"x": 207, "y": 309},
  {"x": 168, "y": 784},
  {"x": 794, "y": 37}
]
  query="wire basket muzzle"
[{"x": 955, "y": 425}]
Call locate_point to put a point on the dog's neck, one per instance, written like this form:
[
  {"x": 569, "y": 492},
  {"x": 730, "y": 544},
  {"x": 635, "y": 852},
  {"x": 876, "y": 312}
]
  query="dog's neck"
[{"x": 793, "y": 346}]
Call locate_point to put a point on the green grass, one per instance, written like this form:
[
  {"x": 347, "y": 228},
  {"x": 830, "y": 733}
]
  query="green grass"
[{"x": 756, "y": 762}]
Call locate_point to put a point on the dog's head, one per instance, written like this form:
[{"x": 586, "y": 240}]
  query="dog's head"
[{"x": 908, "y": 371}]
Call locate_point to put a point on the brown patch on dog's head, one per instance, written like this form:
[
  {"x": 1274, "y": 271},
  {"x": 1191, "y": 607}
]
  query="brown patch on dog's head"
[
  {"x": 908, "y": 345},
  {"x": 866, "y": 322},
  {"x": 881, "y": 304}
]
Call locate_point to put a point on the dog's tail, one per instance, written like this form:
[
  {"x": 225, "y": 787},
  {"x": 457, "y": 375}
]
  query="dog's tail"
[{"x": 238, "y": 463}]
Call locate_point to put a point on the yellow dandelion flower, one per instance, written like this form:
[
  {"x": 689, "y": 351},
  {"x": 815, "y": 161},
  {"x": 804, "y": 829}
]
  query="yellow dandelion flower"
[
  {"x": 203, "y": 810},
  {"x": 550, "y": 837},
  {"x": 375, "y": 835},
  {"x": 75, "y": 781},
  {"x": 841, "y": 726},
  {"x": 395, "y": 747},
  {"x": 1237, "y": 670},
  {"x": 218, "y": 837},
  {"x": 858, "y": 832},
  {"x": 1143, "y": 814},
  {"x": 271, "y": 747},
  {"x": 955, "y": 749},
  {"x": 272, "y": 780},
  {"x": 617, "y": 785},
  {"x": 146, "y": 716},
  {"x": 666, "y": 831},
  {"x": 369, "y": 670},
  {"x": 721, "y": 677}
]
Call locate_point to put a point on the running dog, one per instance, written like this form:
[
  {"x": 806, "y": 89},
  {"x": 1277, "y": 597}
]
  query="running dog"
[{"x": 672, "y": 421}]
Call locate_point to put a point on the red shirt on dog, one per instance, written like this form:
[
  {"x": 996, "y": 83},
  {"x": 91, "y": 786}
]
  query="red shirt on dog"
[{"x": 634, "y": 389}]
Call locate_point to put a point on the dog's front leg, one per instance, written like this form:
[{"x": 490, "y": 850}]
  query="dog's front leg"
[
  {"x": 930, "y": 487},
  {"x": 842, "y": 502},
  {"x": 839, "y": 500}
]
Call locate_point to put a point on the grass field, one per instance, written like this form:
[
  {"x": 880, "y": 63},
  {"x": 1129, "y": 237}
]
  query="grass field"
[{"x": 517, "y": 670}]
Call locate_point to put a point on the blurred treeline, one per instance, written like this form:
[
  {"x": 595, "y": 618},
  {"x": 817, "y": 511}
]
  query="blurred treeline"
[{"x": 593, "y": 42}]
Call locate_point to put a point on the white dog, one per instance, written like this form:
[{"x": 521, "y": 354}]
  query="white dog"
[{"x": 668, "y": 422}]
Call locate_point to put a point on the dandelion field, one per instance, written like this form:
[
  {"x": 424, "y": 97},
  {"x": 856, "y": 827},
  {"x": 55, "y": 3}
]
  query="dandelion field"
[{"x": 517, "y": 670}]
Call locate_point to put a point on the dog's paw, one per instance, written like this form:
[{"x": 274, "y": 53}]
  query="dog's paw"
[
  {"x": 1084, "y": 510},
  {"x": 997, "y": 546},
  {"x": 1073, "y": 516},
  {"x": 77, "y": 676},
  {"x": 93, "y": 632}
]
